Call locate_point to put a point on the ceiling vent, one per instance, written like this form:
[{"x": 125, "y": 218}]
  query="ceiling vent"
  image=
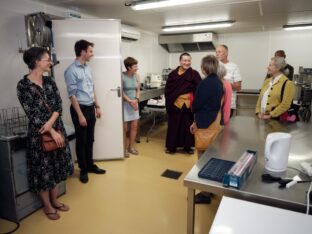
[
  {"x": 189, "y": 42},
  {"x": 129, "y": 33}
]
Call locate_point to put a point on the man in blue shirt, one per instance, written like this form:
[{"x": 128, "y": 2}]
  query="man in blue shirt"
[{"x": 84, "y": 107}]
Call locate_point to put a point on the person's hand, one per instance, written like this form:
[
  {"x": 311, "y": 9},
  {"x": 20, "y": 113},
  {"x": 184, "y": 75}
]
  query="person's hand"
[
  {"x": 82, "y": 121},
  {"x": 134, "y": 104},
  {"x": 192, "y": 128},
  {"x": 266, "y": 116},
  {"x": 45, "y": 128},
  {"x": 58, "y": 138},
  {"x": 260, "y": 115},
  {"x": 98, "y": 112}
]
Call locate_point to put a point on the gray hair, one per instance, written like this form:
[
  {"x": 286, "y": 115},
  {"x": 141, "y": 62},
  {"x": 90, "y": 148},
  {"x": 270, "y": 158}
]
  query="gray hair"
[
  {"x": 279, "y": 62},
  {"x": 221, "y": 71},
  {"x": 209, "y": 65}
]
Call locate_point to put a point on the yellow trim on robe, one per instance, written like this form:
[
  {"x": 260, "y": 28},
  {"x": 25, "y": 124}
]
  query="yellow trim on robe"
[{"x": 183, "y": 99}]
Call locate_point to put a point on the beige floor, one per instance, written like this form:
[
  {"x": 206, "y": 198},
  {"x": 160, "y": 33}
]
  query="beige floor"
[{"x": 132, "y": 198}]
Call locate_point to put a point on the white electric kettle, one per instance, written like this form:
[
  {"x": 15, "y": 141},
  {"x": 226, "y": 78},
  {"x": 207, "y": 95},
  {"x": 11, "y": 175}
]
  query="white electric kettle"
[{"x": 277, "y": 151}]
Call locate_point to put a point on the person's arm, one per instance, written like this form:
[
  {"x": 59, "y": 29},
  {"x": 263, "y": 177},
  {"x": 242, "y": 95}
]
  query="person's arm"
[
  {"x": 81, "y": 117},
  {"x": 236, "y": 86},
  {"x": 56, "y": 108},
  {"x": 237, "y": 80},
  {"x": 133, "y": 103},
  {"x": 258, "y": 105},
  {"x": 137, "y": 96},
  {"x": 71, "y": 83},
  {"x": 48, "y": 126},
  {"x": 98, "y": 111}
]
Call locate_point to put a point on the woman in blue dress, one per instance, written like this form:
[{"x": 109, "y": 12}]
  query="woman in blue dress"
[{"x": 131, "y": 96}]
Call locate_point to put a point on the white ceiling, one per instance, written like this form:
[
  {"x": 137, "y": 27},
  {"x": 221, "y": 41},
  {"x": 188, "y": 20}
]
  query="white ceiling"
[{"x": 250, "y": 15}]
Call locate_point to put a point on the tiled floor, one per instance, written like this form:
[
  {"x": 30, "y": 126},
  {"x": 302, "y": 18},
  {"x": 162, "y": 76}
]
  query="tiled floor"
[{"x": 132, "y": 198}]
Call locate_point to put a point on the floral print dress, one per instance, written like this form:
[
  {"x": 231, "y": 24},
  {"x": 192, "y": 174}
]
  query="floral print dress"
[{"x": 45, "y": 170}]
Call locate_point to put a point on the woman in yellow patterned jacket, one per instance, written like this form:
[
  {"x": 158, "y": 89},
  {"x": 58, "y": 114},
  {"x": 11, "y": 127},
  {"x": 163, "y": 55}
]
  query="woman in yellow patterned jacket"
[{"x": 276, "y": 93}]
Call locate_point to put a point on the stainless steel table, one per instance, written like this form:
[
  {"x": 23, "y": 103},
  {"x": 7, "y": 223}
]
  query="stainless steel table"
[
  {"x": 250, "y": 133},
  {"x": 151, "y": 93},
  {"x": 144, "y": 96}
]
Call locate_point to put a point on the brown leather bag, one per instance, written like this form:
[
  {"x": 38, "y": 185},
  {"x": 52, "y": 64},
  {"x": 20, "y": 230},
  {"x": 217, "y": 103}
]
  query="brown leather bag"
[
  {"x": 204, "y": 137},
  {"x": 47, "y": 142}
]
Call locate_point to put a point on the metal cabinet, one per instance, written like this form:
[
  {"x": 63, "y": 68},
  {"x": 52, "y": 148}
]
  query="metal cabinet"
[
  {"x": 16, "y": 201},
  {"x": 246, "y": 102}
]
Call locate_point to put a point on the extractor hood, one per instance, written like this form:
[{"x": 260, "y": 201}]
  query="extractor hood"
[{"x": 188, "y": 42}]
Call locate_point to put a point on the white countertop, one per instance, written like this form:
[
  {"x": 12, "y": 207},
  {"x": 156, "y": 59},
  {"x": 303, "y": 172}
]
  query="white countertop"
[{"x": 236, "y": 216}]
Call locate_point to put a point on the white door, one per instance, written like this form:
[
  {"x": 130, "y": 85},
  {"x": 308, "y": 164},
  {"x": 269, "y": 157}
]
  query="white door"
[{"x": 106, "y": 71}]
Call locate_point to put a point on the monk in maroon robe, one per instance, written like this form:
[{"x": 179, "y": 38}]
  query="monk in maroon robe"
[{"x": 179, "y": 92}]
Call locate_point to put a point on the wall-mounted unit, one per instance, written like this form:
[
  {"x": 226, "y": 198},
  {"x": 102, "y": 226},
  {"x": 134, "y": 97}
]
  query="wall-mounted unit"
[
  {"x": 188, "y": 42},
  {"x": 38, "y": 29},
  {"x": 129, "y": 33}
]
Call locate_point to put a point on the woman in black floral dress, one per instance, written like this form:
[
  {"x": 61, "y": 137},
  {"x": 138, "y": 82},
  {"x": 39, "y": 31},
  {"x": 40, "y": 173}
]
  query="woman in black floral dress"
[{"x": 45, "y": 170}]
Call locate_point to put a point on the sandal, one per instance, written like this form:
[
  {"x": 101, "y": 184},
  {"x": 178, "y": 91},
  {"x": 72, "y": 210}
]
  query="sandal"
[
  {"x": 62, "y": 207},
  {"x": 52, "y": 215},
  {"x": 133, "y": 151},
  {"x": 127, "y": 155}
]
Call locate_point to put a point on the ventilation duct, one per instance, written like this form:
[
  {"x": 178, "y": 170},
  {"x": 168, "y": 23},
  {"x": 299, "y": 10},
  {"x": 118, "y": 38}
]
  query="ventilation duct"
[{"x": 188, "y": 42}]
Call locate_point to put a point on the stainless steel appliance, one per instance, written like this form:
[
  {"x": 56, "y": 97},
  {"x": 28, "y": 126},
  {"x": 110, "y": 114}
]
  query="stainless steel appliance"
[
  {"x": 303, "y": 92},
  {"x": 16, "y": 200}
]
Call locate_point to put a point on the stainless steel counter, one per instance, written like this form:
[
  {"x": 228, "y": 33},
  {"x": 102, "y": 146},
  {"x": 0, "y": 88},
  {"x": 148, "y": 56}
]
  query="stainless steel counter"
[
  {"x": 151, "y": 93},
  {"x": 246, "y": 102},
  {"x": 250, "y": 133}
]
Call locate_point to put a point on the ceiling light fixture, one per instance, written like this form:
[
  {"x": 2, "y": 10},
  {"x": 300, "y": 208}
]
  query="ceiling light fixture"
[
  {"x": 198, "y": 26},
  {"x": 290, "y": 27},
  {"x": 152, "y": 4}
]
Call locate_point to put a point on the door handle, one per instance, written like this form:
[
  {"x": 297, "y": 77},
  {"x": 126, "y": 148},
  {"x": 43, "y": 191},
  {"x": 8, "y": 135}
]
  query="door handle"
[{"x": 118, "y": 91}]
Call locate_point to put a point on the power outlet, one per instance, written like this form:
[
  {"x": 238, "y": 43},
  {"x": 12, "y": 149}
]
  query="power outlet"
[{"x": 307, "y": 168}]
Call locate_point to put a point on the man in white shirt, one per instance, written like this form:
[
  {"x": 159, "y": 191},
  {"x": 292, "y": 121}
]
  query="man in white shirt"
[{"x": 232, "y": 73}]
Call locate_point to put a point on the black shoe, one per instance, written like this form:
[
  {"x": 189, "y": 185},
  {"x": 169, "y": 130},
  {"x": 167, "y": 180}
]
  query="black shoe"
[
  {"x": 168, "y": 151},
  {"x": 201, "y": 198},
  {"x": 96, "y": 170},
  {"x": 188, "y": 150},
  {"x": 84, "y": 177}
]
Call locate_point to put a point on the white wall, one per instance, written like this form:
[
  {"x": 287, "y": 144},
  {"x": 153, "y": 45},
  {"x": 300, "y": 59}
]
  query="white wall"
[
  {"x": 252, "y": 52},
  {"x": 12, "y": 30},
  {"x": 152, "y": 58}
]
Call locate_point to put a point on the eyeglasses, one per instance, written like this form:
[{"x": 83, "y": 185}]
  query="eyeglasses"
[{"x": 47, "y": 60}]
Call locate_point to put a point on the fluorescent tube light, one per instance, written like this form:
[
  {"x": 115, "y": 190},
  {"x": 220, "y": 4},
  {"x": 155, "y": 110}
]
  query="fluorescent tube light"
[
  {"x": 199, "y": 26},
  {"x": 146, "y": 5},
  {"x": 290, "y": 27}
]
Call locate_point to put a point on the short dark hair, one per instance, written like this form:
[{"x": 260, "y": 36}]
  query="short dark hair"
[
  {"x": 280, "y": 53},
  {"x": 82, "y": 45},
  {"x": 32, "y": 55},
  {"x": 210, "y": 64},
  {"x": 184, "y": 54},
  {"x": 129, "y": 62}
]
